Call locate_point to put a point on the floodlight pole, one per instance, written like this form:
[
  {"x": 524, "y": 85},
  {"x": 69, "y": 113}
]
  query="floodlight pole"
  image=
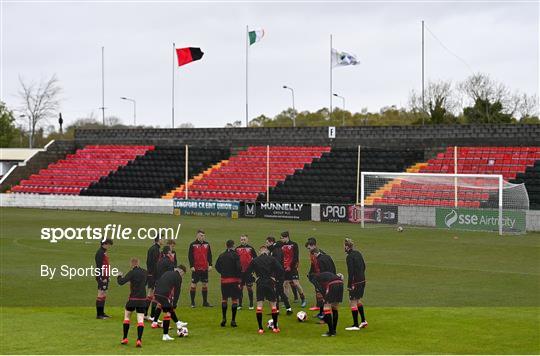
[
  {"x": 343, "y": 114},
  {"x": 294, "y": 110},
  {"x": 134, "y": 108}
]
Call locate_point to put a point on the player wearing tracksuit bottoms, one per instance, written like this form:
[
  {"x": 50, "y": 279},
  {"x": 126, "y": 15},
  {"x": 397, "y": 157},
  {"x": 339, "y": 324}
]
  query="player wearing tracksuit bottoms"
[
  {"x": 290, "y": 265},
  {"x": 136, "y": 301}
]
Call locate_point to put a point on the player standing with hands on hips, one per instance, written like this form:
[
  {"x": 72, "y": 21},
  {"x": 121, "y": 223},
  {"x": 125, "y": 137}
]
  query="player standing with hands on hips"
[{"x": 102, "y": 262}]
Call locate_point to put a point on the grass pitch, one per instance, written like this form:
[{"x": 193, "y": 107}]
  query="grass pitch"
[{"x": 428, "y": 291}]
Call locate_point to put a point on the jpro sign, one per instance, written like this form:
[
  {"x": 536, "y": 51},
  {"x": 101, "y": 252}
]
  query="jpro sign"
[{"x": 206, "y": 208}]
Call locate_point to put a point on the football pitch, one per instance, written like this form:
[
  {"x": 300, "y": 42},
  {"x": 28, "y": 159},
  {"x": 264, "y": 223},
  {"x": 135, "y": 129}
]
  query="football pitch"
[{"x": 428, "y": 291}]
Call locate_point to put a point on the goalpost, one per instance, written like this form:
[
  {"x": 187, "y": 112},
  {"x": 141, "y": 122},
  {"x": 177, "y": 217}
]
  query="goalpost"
[{"x": 454, "y": 201}]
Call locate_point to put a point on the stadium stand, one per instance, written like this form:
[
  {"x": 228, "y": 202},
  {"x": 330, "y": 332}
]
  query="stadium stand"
[
  {"x": 244, "y": 175},
  {"x": 428, "y": 136},
  {"x": 79, "y": 170},
  {"x": 332, "y": 177},
  {"x": 531, "y": 178},
  {"x": 155, "y": 173},
  {"x": 507, "y": 161}
]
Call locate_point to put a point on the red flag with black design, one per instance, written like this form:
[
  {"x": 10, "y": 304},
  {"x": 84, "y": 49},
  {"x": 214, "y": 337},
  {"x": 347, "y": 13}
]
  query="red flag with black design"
[{"x": 188, "y": 55}]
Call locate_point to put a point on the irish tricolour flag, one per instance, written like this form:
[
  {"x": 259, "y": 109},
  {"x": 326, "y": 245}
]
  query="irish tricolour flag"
[{"x": 255, "y": 36}]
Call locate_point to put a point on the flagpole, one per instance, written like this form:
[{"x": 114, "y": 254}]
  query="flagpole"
[
  {"x": 172, "y": 76},
  {"x": 331, "y": 77},
  {"x": 247, "y": 50},
  {"x": 103, "y": 83}
]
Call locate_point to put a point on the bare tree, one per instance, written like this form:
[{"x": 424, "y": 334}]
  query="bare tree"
[
  {"x": 186, "y": 125},
  {"x": 481, "y": 86},
  {"x": 113, "y": 121},
  {"x": 39, "y": 103},
  {"x": 439, "y": 99},
  {"x": 528, "y": 106}
]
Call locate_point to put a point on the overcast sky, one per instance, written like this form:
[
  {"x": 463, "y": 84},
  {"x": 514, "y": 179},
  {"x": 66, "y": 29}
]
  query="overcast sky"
[{"x": 42, "y": 39}]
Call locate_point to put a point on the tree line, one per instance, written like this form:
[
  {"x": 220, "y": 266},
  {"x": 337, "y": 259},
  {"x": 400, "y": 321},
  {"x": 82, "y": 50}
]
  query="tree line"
[{"x": 478, "y": 99}]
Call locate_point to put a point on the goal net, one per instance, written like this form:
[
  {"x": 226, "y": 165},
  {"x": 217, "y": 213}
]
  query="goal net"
[{"x": 452, "y": 201}]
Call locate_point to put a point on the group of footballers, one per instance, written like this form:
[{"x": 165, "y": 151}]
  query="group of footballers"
[{"x": 156, "y": 290}]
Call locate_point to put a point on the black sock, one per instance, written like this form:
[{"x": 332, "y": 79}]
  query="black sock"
[
  {"x": 321, "y": 310},
  {"x": 224, "y": 310},
  {"x": 166, "y": 323},
  {"x": 355, "y": 316},
  {"x": 250, "y": 295},
  {"x": 241, "y": 298},
  {"x": 174, "y": 317},
  {"x": 153, "y": 310},
  {"x": 205, "y": 295},
  {"x": 335, "y": 315},
  {"x": 295, "y": 292},
  {"x": 259, "y": 319},
  {"x": 234, "y": 308},
  {"x": 302, "y": 296},
  {"x": 140, "y": 329},
  {"x": 192, "y": 295},
  {"x": 157, "y": 313},
  {"x": 100, "y": 304},
  {"x": 286, "y": 301},
  {"x": 275, "y": 314},
  {"x": 361, "y": 311},
  {"x": 126, "y": 328},
  {"x": 329, "y": 322}
]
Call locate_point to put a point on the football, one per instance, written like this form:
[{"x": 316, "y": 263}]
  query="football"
[
  {"x": 399, "y": 229},
  {"x": 301, "y": 316},
  {"x": 270, "y": 324},
  {"x": 182, "y": 332}
]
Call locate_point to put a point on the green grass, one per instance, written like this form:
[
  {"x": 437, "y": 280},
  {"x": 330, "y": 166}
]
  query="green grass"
[{"x": 428, "y": 291}]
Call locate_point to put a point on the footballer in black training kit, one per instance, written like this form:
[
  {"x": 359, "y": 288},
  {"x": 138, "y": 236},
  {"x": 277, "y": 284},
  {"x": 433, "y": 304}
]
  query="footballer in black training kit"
[
  {"x": 166, "y": 293},
  {"x": 165, "y": 264},
  {"x": 266, "y": 268},
  {"x": 103, "y": 264},
  {"x": 228, "y": 265},
  {"x": 320, "y": 262},
  {"x": 136, "y": 301},
  {"x": 275, "y": 251},
  {"x": 356, "y": 269},
  {"x": 330, "y": 285},
  {"x": 152, "y": 257}
]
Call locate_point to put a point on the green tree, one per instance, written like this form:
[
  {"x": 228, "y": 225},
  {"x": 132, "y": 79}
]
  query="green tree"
[
  {"x": 7, "y": 128},
  {"x": 484, "y": 112}
]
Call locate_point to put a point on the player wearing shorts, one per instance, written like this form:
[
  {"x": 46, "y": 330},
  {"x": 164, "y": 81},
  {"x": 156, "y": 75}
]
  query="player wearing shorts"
[
  {"x": 200, "y": 262},
  {"x": 320, "y": 262},
  {"x": 275, "y": 251},
  {"x": 167, "y": 292},
  {"x": 165, "y": 264},
  {"x": 102, "y": 262},
  {"x": 152, "y": 257},
  {"x": 265, "y": 268},
  {"x": 228, "y": 265},
  {"x": 246, "y": 254},
  {"x": 330, "y": 285},
  {"x": 290, "y": 265},
  {"x": 137, "y": 299},
  {"x": 356, "y": 268}
]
